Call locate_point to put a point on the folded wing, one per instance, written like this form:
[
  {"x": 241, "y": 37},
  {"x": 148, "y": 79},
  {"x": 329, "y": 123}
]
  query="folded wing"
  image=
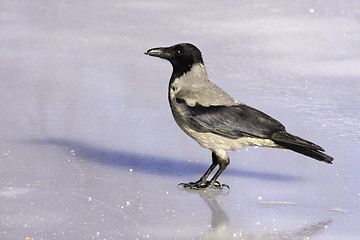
[
  {"x": 231, "y": 121},
  {"x": 240, "y": 120}
]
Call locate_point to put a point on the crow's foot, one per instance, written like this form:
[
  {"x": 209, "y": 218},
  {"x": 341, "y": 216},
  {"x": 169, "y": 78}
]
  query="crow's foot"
[{"x": 203, "y": 185}]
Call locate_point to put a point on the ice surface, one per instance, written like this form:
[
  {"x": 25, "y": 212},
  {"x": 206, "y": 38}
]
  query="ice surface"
[{"x": 89, "y": 149}]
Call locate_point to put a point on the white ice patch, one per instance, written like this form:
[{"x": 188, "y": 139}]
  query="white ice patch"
[
  {"x": 339, "y": 210},
  {"x": 15, "y": 191},
  {"x": 276, "y": 203}
]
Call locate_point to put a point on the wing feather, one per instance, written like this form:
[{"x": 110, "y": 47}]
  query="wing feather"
[{"x": 231, "y": 121}]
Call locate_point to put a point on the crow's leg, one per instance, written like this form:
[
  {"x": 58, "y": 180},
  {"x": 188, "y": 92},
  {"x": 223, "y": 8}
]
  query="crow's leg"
[
  {"x": 222, "y": 159},
  {"x": 201, "y": 183},
  {"x": 215, "y": 162}
]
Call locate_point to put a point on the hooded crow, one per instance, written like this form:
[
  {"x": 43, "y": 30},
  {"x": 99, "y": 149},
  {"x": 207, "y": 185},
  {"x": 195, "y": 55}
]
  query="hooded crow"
[{"x": 217, "y": 121}]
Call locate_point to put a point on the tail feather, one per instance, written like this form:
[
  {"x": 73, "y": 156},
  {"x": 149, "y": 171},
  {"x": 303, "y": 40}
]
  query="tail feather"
[{"x": 299, "y": 145}]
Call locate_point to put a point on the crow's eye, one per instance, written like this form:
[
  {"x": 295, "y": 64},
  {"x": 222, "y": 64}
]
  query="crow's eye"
[{"x": 178, "y": 51}]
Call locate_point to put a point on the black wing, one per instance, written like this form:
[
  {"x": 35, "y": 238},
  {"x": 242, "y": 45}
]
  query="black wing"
[{"x": 231, "y": 121}]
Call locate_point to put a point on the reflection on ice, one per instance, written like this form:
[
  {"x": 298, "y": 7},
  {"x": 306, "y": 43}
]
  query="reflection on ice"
[
  {"x": 219, "y": 228},
  {"x": 219, "y": 219}
]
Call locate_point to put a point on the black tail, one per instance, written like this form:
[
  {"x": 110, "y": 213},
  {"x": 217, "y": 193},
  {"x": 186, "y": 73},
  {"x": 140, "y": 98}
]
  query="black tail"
[{"x": 286, "y": 140}]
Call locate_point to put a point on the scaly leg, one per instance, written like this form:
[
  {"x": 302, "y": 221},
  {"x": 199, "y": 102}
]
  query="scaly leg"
[{"x": 220, "y": 159}]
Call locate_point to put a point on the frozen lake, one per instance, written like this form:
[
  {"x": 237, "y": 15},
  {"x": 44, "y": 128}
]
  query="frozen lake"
[{"x": 89, "y": 149}]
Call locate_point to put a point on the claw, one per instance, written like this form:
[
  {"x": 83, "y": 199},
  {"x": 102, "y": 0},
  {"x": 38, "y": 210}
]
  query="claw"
[
  {"x": 218, "y": 185},
  {"x": 222, "y": 185},
  {"x": 193, "y": 185},
  {"x": 203, "y": 185}
]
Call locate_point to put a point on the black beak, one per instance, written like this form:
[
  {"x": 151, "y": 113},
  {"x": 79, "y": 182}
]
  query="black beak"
[{"x": 159, "y": 52}]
